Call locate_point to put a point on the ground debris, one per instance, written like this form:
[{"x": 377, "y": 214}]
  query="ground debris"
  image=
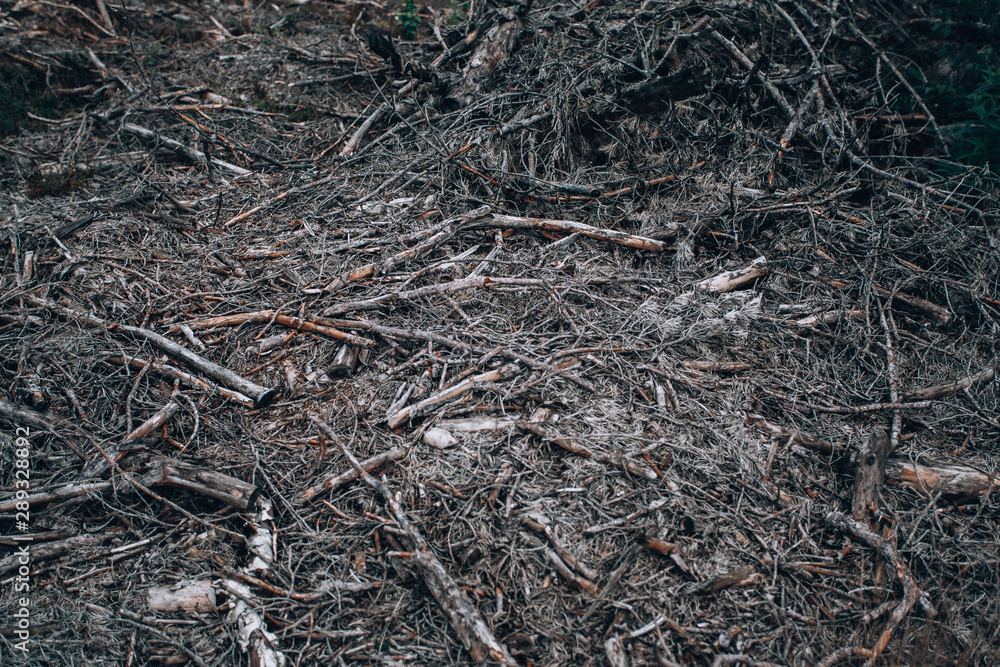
[{"x": 667, "y": 336}]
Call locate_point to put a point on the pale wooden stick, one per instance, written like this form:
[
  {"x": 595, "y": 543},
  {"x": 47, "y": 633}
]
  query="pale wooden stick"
[
  {"x": 727, "y": 281},
  {"x": 453, "y": 391},
  {"x": 338, "y": 480},
  {"x": 945, "y": 390},
  {"x": 181, "y": 149},
  {"x": 571, "y": 227}
]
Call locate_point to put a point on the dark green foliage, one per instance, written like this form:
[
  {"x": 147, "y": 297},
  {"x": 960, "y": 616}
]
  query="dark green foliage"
[
  {"x": 55, "y": 185},
  {"x": 24, "y": 91},
  {"x": 963, "y": 84},
  {"x": 409, "y": 20}
]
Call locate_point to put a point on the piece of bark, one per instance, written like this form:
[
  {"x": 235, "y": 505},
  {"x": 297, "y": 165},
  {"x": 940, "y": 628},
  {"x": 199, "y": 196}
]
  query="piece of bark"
[
  {"x": 260, "y": 395},
  {"x": 496, "y": 44},
  {"x": 190, "y": 597},
  {"x": 953, "y": 482},
  {"x": 737, "y": 577},
  {"x": 253, "y": 636},
  {"x": 245, "y": 612},
  {"x": 728, "y": 281},
  {"x": 659, "y": 546},
  {"x": 164, "y": 471},
  {"x": 615, "y": 651},
  {"x": 571, "y": 227},
  {"x": 945, "y": 390},
  {"x": 870, "y": 475},
  {"x": 344, "y": 362},
  {"x": 464, "y": 617},
  {"x": 439, "y": 438}
]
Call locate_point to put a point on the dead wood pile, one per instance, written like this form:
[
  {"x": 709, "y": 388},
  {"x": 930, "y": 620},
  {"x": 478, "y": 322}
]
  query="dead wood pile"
[{"x": 633, "y": 333}]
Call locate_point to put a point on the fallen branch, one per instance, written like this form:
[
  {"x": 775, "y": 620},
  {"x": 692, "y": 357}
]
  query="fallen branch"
[
  {"x": 748, "y": 64},
  {"x": 582, "y": 583},
  {"x": 945, "y": 390},
  {"x": 796, "y": 436},
  {"x": 576, "y": 447},
  {"x": 454, "y": 391},
  {"x": 442, "y": 232},
  {"x": 281, "y": 195},
  {"x": 260, "y": 395},
  {"x": 570, "y": 227},
  {"x": 331, "y": 482},
  {"x": 181, "y": 149},
  {"x": 235, "y": 492},
  {"x": 289, "y": 321},
  {"x": 438, "y": 339},
  {"x": 941, "y": 316},
  {"x": 48, "y": 422},
  {"x": 191, "y": 380},
  {"x": 888, "y": 552},
  {"x": 61, "y": 493},
  {"x": 159, "y": 419},
  {"x": 728, "y": 281},
  {"x": 541, "y": 524},
  {"x": 464, "y": 617}
]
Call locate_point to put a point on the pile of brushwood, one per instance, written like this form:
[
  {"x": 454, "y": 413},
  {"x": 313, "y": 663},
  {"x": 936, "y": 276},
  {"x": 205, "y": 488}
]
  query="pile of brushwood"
[{"x": 648, "y": 332}]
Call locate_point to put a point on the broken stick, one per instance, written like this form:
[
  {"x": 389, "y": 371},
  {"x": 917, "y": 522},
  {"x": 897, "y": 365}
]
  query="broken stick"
[
  {"x": 888, "y": 552},
  {"x": 454, "y": 391},
  {"x": 464, "y": 617},
  {"x": 571, "y": 227},
  {"x": 260, "y": 395}
]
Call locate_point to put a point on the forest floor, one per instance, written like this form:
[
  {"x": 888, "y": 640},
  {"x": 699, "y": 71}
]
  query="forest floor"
[{"x": 639, "y": 333}]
